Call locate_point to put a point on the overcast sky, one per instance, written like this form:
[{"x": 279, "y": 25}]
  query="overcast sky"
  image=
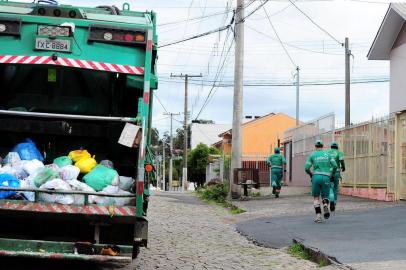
[{"x": 319, "y": 56}]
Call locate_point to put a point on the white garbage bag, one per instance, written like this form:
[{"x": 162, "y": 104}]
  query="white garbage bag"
[
  {"x": 32, "y": 167},
  {"x": 69, "y": 172},
  {"x": 28, "y": 183},
  {"x": 125, "y": 183},
  {"x": 80, "y": 186},
  {"x": 102, "y": 200},
  {"x": 11, "y": 158},
  {"x": 56, "y": 184}
]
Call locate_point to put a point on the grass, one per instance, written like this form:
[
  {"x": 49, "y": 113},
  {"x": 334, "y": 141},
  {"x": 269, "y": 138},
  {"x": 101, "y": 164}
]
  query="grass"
[
  {"x": 255, "y": 194},
  {"x": 217, "y": 194},
  {"x": 299, "y": 251}
]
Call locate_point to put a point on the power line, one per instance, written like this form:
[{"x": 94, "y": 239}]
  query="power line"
[
  {"x": 279, "y": 39},
  {"x": 290, "y": 44},
  {"x": 253, "y": 11},
  {"x": 219, "y": 70},
  {"x": 162, "y": 105},
  {"x": 317, "y": 25},
  {"x": 265, "y": 84},
  {"x": 197, "y": 18}
]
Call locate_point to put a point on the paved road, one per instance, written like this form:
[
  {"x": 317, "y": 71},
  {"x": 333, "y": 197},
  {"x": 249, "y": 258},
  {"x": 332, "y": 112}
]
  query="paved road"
[
  {"x": 363, "y": 238},
  {"x": 188, "y": 234}
]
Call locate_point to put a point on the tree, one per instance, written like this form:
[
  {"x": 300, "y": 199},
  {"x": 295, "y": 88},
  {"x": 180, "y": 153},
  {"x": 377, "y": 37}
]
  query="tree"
[
  {"x": 198, "y": 160},
  {"x": 155, "y": 136}
]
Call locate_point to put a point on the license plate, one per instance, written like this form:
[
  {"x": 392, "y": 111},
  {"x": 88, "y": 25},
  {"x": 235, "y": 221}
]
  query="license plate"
[{"x": 46, "y": 44}]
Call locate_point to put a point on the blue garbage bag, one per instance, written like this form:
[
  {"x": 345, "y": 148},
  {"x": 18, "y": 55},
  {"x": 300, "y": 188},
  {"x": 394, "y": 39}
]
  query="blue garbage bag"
[
  {"x": 8, "y": 180},
  {"x": 28, "y": 151}
]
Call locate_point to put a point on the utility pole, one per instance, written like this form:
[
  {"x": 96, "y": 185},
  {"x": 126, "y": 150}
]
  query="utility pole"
[
  {"x": 236, "y": 151},
  {"x": 297, "y": 95},
  {"x": 163, "y": 166},
  {"x": 347, "y": 84},
  {"x": 185, "y": 125},
  {"x": 171, "y": 150}
]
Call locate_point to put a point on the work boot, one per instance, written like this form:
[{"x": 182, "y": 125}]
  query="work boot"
[
  {"x": 276, "y": 195},
  {"x": 273, "y": 190},
  {"x": 326, "y": 211},
  {"x": 332, "y": 206},
  {"x": 318, "y": 218}
]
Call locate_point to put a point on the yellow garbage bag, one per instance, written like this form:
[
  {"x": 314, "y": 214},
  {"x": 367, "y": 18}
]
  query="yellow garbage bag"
[
  {"x": 78, "y": 155},
  {"x": 86, "y": 164}
]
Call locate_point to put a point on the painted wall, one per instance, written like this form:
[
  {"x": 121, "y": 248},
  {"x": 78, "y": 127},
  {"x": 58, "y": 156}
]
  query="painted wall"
[
  {"x": 397, "y": 96},
  {"x": 261, "y": 136}
]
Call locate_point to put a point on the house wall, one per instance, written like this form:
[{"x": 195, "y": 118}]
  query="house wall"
[
  {"x": 261, "y": 136},
  {"x": 397, "y": 96}
]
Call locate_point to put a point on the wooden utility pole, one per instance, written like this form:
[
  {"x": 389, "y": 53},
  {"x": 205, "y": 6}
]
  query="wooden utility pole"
[
  {"x": 185, "y": 125},
  {"x": 347, "y": 84},
  {"x": 236, "y": 152},
  {"x": 297, "y": 95},
  {"x": 171, "y": 149}
]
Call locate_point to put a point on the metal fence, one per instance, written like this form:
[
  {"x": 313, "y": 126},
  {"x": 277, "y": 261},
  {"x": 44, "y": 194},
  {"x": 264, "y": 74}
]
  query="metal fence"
[
  {"x": 369, "y": 153},
  {"x": 258, "y": 161},
  {"x": 302, "y": 144}
]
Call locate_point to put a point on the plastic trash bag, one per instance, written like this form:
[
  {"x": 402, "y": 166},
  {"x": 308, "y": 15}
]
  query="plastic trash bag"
[
  {"x": 32, "y": 167},
  {"x": 28, "y": 183},
  {"x": 101, "y": 177},
  {"x": 102, "y": 200},
  {"x": 12, "y": 158},
  {"x": 107, "y": 163},
  {"x": 69, "y": 172},
  {"x": 86, "y": 164},
  {"x": 80, "y": 186},
  {"x": 18, "y": 170},
  {"x": 44, "y": 175},
  {"x": 78, "y": 155},
  {"x": 63, "y": 161},
  {"x": 56, "y": 184},
  {"x": 28, "y": 151},
  {"x": 8, "y": 180},
  {"x": 125, "y": 183}
]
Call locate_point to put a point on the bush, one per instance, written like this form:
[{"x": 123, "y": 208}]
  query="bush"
[{"x": 217, "y": 193}]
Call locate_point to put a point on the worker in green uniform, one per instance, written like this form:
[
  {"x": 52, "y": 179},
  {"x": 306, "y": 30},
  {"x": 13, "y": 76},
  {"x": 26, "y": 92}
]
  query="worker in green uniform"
[
  {"x": 324, "y": 168},
  {"x": 277, "y": 162},
  {"x": 339, "y": 159}
]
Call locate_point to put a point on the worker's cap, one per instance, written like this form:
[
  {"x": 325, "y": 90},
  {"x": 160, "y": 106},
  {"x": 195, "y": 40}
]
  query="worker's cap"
[
  {"x": 318, "y": 143},
  {"x": 276, "y": 149},
  {"x": 334, "y": 145}
]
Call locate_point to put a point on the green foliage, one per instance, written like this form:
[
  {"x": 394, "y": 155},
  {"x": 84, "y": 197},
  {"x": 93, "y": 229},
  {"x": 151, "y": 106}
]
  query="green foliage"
[
  {"x": 198, "y": 159},
  {"x": 255, "y": 194},
  {"x": 298, "y": 251},
  {"x": 216, "y": 193},
  {"x": 323, "y": 263}
]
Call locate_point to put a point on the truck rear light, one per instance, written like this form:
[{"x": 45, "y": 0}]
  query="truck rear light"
[
  {"x": 117, "y": 35},
  {"x": 9, "y": 26}
]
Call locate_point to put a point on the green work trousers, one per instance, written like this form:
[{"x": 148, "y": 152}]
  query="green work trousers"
[
  {"x": 276, "y": 178},
  {"x": 320, "y": 185}
]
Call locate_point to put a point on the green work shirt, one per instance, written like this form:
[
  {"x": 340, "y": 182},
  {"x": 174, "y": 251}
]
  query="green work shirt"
[
  {"x": 322, "y": 162},
  {"x": 338, "y": 156},
  {"x": 276, "y": 160}
]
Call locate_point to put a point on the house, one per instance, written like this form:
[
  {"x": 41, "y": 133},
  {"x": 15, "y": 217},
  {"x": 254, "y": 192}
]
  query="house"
[
  {"x": 259, "y": 136},
  {"x": 206, "y": 133},
  {"x": 390, "y": 44}
]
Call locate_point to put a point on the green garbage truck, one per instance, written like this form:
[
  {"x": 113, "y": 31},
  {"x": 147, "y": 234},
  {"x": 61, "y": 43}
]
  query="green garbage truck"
[{"x": 77, "y": 78}]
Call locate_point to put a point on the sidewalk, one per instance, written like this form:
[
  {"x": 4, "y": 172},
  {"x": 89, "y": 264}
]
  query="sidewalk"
[{"x": 362, "y": 234}]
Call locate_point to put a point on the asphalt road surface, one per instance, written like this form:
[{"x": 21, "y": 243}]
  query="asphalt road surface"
[{"x": 354, "y": 238}]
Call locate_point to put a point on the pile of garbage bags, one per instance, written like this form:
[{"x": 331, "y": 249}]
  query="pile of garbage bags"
[{"x": 24, "y": 167}]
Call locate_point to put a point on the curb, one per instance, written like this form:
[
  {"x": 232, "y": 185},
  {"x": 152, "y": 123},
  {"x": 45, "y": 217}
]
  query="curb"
[{"x": 317, "y": 256}]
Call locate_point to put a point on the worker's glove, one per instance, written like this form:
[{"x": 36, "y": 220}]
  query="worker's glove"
[
  {"x": 311, "y": 176},
  {"x": 284, "y": 170},
  {"x": 331, "y": 178},
  {"x": 343, "y": 169}
]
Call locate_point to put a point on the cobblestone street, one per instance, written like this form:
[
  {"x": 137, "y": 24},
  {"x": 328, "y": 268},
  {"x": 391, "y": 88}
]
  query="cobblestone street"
[{"x": 188, "y": 234}]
